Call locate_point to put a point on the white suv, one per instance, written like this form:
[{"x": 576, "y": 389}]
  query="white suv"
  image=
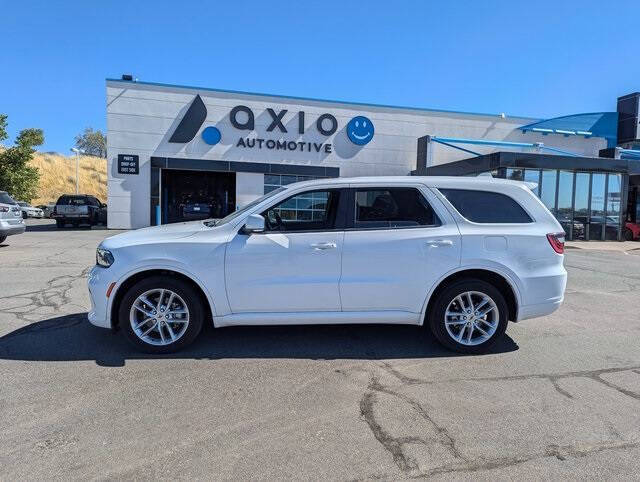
[
  {"x": 461, "y": 255},
  {"x": 11, "y": 221}
]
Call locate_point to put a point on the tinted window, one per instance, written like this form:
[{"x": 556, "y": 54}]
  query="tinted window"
[
  {"x": 486, "y": 207},
  {"x": 73, "y": 201},
  {"x": 392, "y": 208},
  {"x": 6, "y": 199},
  {"x": 307, "y": 211}
]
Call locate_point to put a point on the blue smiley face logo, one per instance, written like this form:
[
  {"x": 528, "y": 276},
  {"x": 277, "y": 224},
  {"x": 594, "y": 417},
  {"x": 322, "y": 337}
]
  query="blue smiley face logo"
[
  {"x": 211, "y": 135},
  {"x": 360, "y": 130}
]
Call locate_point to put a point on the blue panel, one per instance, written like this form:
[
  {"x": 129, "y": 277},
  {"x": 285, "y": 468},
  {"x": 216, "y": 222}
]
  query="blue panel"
[{"x": 594, "y": 124}]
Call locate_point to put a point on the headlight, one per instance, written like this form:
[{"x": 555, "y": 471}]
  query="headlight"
[{"x": 104, "y": 257}]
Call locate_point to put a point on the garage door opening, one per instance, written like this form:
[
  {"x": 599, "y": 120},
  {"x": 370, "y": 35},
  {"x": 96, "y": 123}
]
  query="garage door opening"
[{"x": 193, "y": 195}]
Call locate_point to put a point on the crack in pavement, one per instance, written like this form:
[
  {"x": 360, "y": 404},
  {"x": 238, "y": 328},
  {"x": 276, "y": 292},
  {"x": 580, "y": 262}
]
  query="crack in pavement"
[
  {"x": 52, "y": 298},
  {"x": 396, "y": 445},
  {"x": 561, "y": 453}
]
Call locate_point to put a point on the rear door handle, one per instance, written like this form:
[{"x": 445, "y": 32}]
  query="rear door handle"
[
  {"x": 440, "y": 242},
  {"x": 324, "y": 245}
]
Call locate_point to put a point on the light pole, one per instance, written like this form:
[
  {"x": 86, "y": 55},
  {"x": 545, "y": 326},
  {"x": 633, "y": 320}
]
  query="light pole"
[{"x": 78, "y": 152}]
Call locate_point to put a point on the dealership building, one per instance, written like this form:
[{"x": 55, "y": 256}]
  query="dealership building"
[{"x": 177, "y": 153}]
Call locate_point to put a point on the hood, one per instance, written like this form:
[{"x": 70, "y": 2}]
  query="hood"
[{"x": 155, "y": 234}]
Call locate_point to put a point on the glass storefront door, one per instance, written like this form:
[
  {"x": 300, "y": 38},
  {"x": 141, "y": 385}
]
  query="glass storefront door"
[
  {"x": 596, "y": 220},
  {"x": 564, "y": 211}
]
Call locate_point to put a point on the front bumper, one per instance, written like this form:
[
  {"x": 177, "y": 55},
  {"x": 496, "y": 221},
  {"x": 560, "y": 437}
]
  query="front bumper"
[
  {"x": 9, "y": 227},
  {"x": 98, "y": 284}
]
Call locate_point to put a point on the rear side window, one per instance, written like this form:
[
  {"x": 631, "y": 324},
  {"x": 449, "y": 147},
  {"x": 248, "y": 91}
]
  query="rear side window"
[
  {"x": 392, "y": 208},
  {"x": 486, "y": 206}
]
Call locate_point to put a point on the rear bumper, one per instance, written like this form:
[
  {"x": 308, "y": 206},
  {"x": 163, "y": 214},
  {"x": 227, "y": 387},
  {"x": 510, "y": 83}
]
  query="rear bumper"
[
  {"x": 543, "y": 295},
  {"x": 7, "y": 229}
]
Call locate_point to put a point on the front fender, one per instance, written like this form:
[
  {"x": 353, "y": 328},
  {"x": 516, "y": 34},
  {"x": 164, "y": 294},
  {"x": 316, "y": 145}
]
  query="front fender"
[{"x": 169, "y": 265}]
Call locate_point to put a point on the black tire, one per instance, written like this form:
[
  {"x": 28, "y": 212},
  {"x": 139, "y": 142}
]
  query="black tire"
[
  {"x": 436, "y": 316},
  {"x": 2, "y": 239},
  {"x": 184, "y": 291},
  {"x": 59, "y": 223},
  {"x": 627, "y": 234}
]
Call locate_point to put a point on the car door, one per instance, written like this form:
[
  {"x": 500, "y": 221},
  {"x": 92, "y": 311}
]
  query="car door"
[
  {"x": 400, "y": 240},
  {"x": 294, "y": 266}
]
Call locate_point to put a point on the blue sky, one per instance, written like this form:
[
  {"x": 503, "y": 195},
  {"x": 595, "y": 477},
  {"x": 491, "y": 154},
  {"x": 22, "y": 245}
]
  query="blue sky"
[{"x": 537, "y": 59}]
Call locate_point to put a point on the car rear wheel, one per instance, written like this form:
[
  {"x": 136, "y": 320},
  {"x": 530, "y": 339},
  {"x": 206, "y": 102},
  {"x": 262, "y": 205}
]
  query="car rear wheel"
[
  {"x": 469, "y": 316},
  {"x": 2, "y": 238},
  {"x": 161, "y": 315},
  {"x": 627, "y": 234}
]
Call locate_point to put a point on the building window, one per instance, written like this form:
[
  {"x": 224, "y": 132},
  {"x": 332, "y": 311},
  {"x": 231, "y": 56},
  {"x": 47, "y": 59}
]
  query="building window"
[
  {"x": 274, "y": 181},
  {"x": 596, "y": 220},
  {"x": 548, "y": 189},
  {"x": 533, "y": 175},
  {"x": 614, "y": 194},
  {"x": 565, "y": 198},
  {"x": 303, "y": 207}
]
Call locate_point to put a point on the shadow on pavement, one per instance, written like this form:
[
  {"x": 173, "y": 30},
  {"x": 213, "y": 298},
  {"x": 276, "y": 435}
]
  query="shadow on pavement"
[
  {"x": 73, "y": 338},
  {"x": 53, "y": 227}
]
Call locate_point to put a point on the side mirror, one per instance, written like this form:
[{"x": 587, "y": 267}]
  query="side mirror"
[{"x": 253, "y": 224}]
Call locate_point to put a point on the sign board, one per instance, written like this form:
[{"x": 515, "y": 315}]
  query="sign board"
[{"x": 128, "y": 164}]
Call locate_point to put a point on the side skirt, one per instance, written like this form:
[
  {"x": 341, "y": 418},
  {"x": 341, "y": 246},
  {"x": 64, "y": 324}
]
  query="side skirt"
[{"x": 319, "y": 318}]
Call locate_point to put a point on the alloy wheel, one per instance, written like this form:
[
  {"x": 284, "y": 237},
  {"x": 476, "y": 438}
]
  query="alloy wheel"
[
  {"x": 471, "y": 318},
  {"x": 159, "y": 317}
]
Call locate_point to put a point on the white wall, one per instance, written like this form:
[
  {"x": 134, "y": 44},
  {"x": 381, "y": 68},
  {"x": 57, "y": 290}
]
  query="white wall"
[
  {"x": 142, "y": 117},
  {"x": 249, "y": 186}
]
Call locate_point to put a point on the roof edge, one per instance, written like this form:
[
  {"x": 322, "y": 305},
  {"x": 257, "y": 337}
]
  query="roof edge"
[{"x": 312, "y": 99}]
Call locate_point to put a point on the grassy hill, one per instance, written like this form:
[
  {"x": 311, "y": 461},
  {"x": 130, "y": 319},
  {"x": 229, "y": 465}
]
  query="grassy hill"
[{"x": 58, "y": 176}]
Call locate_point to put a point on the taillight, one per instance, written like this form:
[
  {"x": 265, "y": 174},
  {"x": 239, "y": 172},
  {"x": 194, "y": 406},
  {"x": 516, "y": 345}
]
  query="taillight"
[{"x": 556, "y": 240}]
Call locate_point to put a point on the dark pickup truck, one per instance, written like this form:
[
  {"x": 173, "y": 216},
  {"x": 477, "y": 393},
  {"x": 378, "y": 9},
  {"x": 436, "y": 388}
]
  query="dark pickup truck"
[{"x": 79, "y": 209}]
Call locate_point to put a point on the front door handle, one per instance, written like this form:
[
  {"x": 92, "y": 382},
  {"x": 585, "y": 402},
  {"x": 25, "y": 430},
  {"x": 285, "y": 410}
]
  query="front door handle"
[
  {"x": 324, "y": 245},
  {"x": 440, "y": 242}
]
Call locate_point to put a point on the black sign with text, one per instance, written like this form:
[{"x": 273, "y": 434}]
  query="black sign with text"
[{"x": 128, "y": 164}]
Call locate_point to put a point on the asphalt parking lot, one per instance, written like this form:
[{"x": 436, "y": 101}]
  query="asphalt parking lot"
[{"x": 559, "y": 397}]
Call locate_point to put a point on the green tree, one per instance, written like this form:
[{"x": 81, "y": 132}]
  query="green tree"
[
  {"x": 17, "y": 177},
  {"x": 93, "y": 143}
]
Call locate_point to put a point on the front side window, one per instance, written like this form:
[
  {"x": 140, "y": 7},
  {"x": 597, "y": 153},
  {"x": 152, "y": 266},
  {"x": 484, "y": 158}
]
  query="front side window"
[
  {"x": 486, "y": 206},
  {"x": 392, "y": 208},
  {"x": 306, "y": 211}
]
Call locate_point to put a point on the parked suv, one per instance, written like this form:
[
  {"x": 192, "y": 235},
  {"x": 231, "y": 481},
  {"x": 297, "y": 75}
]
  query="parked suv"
[
  {"x": 76, "y": 209},
  {"x": 28, "y": 211},
  {"x": 460, "y": 255},
  {"x": 11, "y": 221}
]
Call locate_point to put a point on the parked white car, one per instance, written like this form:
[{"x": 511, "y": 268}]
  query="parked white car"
[
  {"x": 460, "y": 255},
  {"x": 11, "y": 221},
  {"x": 28, "y": 211}
]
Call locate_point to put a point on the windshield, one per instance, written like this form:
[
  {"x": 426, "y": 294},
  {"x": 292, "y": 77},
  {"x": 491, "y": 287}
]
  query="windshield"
[
  {"x": 23, "y": 204},
  {"x": 210, "y": 223}
]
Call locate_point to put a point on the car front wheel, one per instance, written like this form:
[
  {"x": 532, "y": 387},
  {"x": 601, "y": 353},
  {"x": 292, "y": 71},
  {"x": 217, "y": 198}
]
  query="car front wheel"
[
  {"x": 469, "y": 316},
  {"x": 161, "y": 315}
]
